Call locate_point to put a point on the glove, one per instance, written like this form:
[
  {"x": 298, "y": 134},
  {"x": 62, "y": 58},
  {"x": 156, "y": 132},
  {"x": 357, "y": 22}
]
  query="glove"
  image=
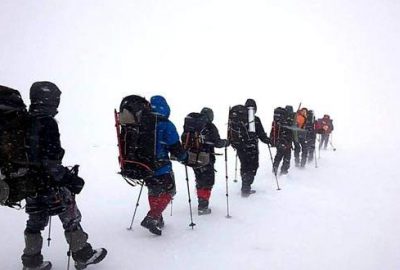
[
  {"x": 267, "y": 141},
  {"x": 226, "y": 143},
  {"x": 183, "y": 158},
  {"x": 54, "y": 169},
  {"x": 72, "y": 181}
]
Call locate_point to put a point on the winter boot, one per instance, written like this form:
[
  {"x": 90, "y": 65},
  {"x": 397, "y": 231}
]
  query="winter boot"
[
  {"x": 82, "y": 252},
  {"x": 204, "y": 211},
  {"x": 247, "y": 193},
  {"x": 157, "y": 206},
  {"x": 283, "y": 172},
  {"x": 203, "y": 207},
  {"x": 161, "y": 223},
  {"x": 303, "y": 164},
  {"x": 32, "y": 258},
  {"x": 87, "y": 255},
  {"x": 44, "y": 266},
  {"x": 152, "y": 224},
  {"x": 246, "y": 185},
  {"x": 203, "y": 197}
]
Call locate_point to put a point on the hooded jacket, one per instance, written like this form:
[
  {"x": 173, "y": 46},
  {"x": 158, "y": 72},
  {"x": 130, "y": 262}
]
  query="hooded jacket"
[
  {"x": 259, "y": 127},
  {"x": 324, "y": 125},
  {"x": 167, "y": 138},
  {"x": 44, "y": 138}
]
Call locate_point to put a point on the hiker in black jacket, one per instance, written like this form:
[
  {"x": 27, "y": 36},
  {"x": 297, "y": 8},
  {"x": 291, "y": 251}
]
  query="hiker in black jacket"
[
  {"x": 205, "y": 175},
  {"x": 282, "y": 137},
  {"x": 311, "y": 135},
  {"x": 248, "y": 152},
  {"x": 58, "y": 198}
]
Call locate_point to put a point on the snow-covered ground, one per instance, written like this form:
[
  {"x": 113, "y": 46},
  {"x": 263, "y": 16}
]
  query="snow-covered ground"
[
  {"x": 341, "y": 215},
  {"x": 336, "y": 57}
]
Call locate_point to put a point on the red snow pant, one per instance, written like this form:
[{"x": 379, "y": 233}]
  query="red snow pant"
[
  {"x": 161, "y": 190},
  {"x": 205, "y": 179}
]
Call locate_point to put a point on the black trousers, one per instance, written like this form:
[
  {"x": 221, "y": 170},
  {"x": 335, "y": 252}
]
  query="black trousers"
[
  {"x": 205, "y": 176},
  {"x": 324, "y": 141},
  {"x": 158, "y": 185},
  {"x": 39, "y": 219},
  {"x": 248, "y": 166},
  {"x": 284, "y": 153},
  {"x": 300, "y": 146},
  {"x": 311, "y": 149}
]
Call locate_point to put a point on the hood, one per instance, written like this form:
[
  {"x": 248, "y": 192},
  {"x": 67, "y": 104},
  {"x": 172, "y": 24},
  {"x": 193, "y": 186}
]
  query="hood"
[
  {"x": 160, "y": 106},
  {"x": 45, "y": 98},
  {"x": 209, "y": 113},
  {"x": 251, "y": 103}
]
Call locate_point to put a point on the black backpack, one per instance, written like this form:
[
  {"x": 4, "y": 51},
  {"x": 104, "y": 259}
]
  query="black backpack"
[
  {"x": 14, "y": 124},
  {"x": 310, "y": 122},
  {"x": 281, "y": 130},
  {"x": 238, "y": 133},
  {"x": 280, "y": 115},
  {"x": 136, "y": 131},
  {"x": 194, "y": 138},
  {"x": 16, "y": 183}
]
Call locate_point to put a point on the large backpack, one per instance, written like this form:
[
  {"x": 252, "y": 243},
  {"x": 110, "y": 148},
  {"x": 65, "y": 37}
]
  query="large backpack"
[
  {"x": 194, "y": 138},
  {"x": 15, "y": 183},
  {"x": 323, "y": 126},
  {"x": 310, "y": 122},
  {"x": 14, "y": 123},
  {"x": 280, "y": 115},
  {"x": 136, "y": 131},
  {"x": 238, "y": 133}
]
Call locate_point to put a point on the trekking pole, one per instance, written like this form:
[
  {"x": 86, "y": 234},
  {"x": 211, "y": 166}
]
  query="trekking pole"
[
  {"x": 319, "y": 146},
  {"x": 315, "y": 157},
  {"x": 136, "y": 207},
  {"x": 69, "y": 257},
  {"x": 236, "y": 165},
  {"x": 275, "y": 171},
  {"x": 330, "y": 142},
  {"x": 192, "y": 224},
  {"x": 172, "y": 202},
  {"x": 49, "y": 236},
  {"x": 226, "y": 183}
]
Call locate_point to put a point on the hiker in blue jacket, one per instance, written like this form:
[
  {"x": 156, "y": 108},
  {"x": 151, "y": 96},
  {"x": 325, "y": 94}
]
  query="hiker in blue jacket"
[{"x": 161, "y": 186}]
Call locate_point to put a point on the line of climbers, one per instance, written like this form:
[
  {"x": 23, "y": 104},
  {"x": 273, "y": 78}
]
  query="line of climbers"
[
  {"x": 146, "y": 136},
  {"x": 31, "y": 159}
]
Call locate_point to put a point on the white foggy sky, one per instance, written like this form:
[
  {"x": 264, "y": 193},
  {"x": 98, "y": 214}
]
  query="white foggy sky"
[{"x": 338, "y": 57}]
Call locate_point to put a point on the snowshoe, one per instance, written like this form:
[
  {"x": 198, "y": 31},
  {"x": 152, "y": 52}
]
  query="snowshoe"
[
  {"x": 44, "y": 266},
  {"x": 247, "y": 193},
  {"x": 283, "y": 173},
  {"x": 204, "y": 211},
  {"x": 152, "y": 225},
  {"x": 97, "y": 256}
]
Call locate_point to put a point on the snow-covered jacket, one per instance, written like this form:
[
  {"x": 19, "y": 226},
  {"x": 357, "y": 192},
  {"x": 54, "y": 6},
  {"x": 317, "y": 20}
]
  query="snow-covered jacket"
[{"x": 167, "y": 138}]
